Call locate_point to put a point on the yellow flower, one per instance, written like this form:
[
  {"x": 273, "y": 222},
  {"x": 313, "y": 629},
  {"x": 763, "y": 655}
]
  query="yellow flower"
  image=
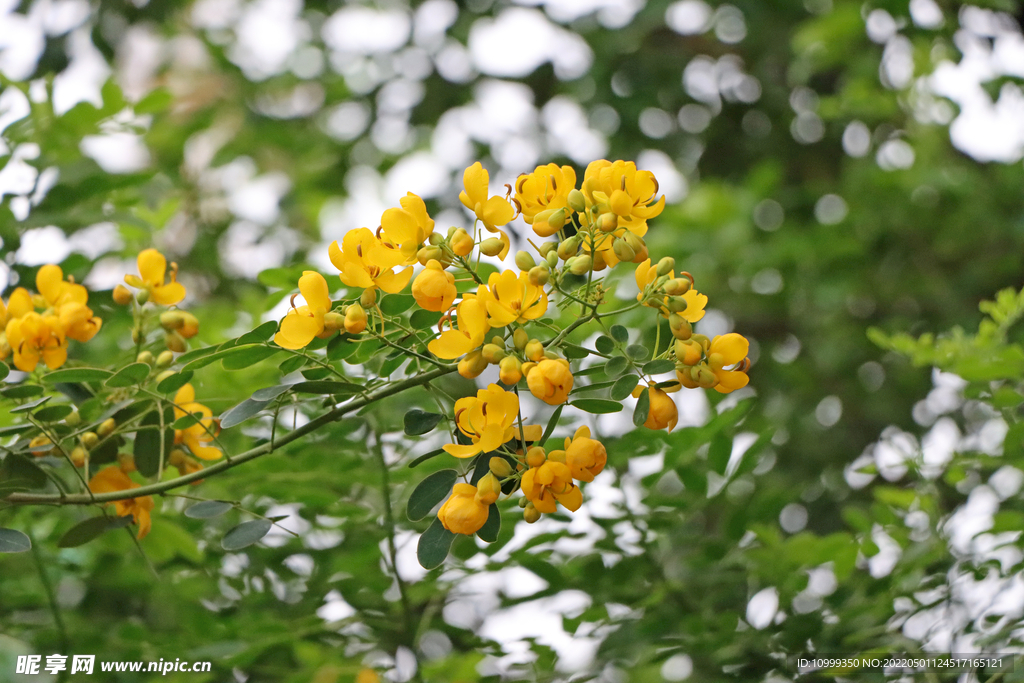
[
  {"x": 302, "y": 324},
  {"x": 407, "y": 228},
  {"x": 491, "y": 211},
  {"x": 367, "y": 676},
  {"x": 486, "y": 419},
  {"x": 471, "y": 316},
  {"x": 550, "y": 483},
  {"x": 546, "y": 188},
  {"x": 434, "y": 287},
  {"x": 198, "y": 435},
  {"x": 662, "y": 412},
  {"x": 153, "y": 268},
  {"x": 365, "y": 262},
  {"x": 510, "y": 298},
  {"x": 67, "y": 300},
  {"x": 584, "y": 456},
  {"x": 646, "y": 274},
  {"x": 463, "y": 513},
  {"x": 550, "y": 381},
  {"x": 34, "y": 337},
  {"x": 111, "y": 479},
  {"x": 625, "y": 191},
  {"x": 728, "y": 349}
]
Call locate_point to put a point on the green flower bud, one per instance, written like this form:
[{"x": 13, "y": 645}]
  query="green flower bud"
[
  {"x": 144, "y": 357},
  {"x": 547, "y": 248},
  {"x": 666, "y": 265},
  {"x": 491, "y": 246},
  {"x": 520, "y": 338},
  {"x": 539, "y": 276},
  {"x": 577, "y": 200},
  {"x": 552, "y": 259},
  {"x": 73, "y": 419},
  {"x": 499, "y": 467},
  {"x": 493, "y": 353},
  {"x": 679, "y": 285},
  {"x": 436, "y": 239},
  {"x": 581, "y": 264},
  {"x": 681, "y": 328},
  {"x": 142, "y": 296},
  {"x": 622, "y": 250},
  {"x": 568, "y": 248},
  {"x": 524, "y": 260},
  {"x": 164, "y": 359},
  {"x": 369, "y": 296},
  {"x": 676, "y": 304},
  {"x": 607, "y": 222}
]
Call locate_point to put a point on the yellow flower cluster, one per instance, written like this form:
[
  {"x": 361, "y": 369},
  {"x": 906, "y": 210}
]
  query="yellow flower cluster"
[{"x": 37, "y": 327}]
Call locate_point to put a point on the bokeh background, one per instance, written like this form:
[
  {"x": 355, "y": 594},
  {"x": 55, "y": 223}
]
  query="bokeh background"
[{"x": 830, "y": 166}]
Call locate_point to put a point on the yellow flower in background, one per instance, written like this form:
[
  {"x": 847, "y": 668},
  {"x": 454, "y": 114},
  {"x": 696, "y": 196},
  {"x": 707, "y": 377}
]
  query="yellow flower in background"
[
  {"x": 492, "y": 211},
  {"x": 303, "y": 324},
  {"x": 407, "y": 228},
  {"x": 472, "y": 326},
  {"x": 364, "y": 262},
  {"x": 663, "y": 411},
  {"x": 33, "y": 337},
  {"x": 198, "y": 435},
  {"x": 550, "y": 381},
  {"x": 486, "y": 419},
  {"x": 510, "y": 298},
  {"x": 463, "y": 512},
  {"x": 153, "y": 269},
  {"x": 545, "y": 189},
  {"x": 367, "y": 676},
  {"x": 111, "y": 479},
  {"x": 726, "y": 350},
  {"x": 434, "y": 288},
  {"x": 549, "y": 484},
  {"x": 584, "y": 456}
]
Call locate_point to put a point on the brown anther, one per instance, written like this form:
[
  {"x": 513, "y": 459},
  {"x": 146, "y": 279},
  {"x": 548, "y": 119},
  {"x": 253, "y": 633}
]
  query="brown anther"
[
  {"x": 379, "y": 229},
  {"x": 292, "y": 300},
  {"x": 622, "y": 183},
  {"x": 446, "y": 317},
  {"x": 744, "y": 365},
  {"x": 688, "y": 277}
]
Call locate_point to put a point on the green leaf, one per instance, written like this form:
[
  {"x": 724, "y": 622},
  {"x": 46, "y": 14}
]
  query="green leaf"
[
  {"x": 270, "y": 393},
  {"x": 719, "y": 453},
  {"x": 243, "y": 357},
  {"x": 77, "y": 375},
  {"x": 316, "y": 373},
  {"x": 83, "y": 532},
  {"x": 326, "y": 387},
  {"x": 53, "y": 413},
  {"x": 643, "y": 407},
  {"x": 148, "y": 449},
  {"x": 23, "y": 472},
  {"x": 429, "y": 492},
  {"x": 637, "y": 352},
  {"x": 434, "y": 545},
  {"x": 419, "y": 422},
  {"x": 597, "y": 406},
  {"x": 261, "y": 334},
  {"x": 14, "y": 541},
  {"x": 242, "y": 412},
  {"x": 623, "y": 387},
  {"x": 394, "y": 304},
  {"x": 4, "y": 371},
  {"x": 207, "y": 509},
  {"x": 424, "y": 320},
  {"x": 245, "y": 534},
  {"x": 129, "y": 375},
  {"x": 292, "y": 364},
  {"x": 604, "y": 344},
  {"x": 174, "y": 382},
  {"x": 196, "y": 354},
  {"x": 573, "y": 352},
  {"x": 657, "y": 367},
  {"x": 21, "y": 391},
  {"x": 32, "y": 405},
  {"x": 616, "y": 366},
  {"x": 619, "y": 333},
  {"x": 488, "y": 533},
  {"x": 552, "y": 424},
  {"x": 155, "y": 101},
  {"x": 426, "y": 456}
]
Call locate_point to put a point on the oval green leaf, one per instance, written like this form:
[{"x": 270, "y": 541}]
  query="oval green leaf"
[
  {"x": 207, "y": 509},
  {"x": 623, "y": 387},
  {"x": 245, "y": 356},
  {"x": 14, "y": 541},
  {"x": 270, "y": 393},
  {"x": 77, "y": 375},
  {"x": 393, "y": 304},
  {"x": 597, "y": 406},
  {"x": 637, "y": 351},
  {"x": 245, "y": 534},
  {"x": 643, "y": 407},
  {"x": 619, "y": 333},
  {"x": 242, "y": 412},
  {"x": 53, "y": 413},
  {"x": 434, "y": 545},
  {"x": 326, "y": 387},
  {"x": 129, "y": 375},
  {"x": 85, "y": 531},
  {"x": 174, "y": 382},
  {"x": 21, "y": 391},
  {"x": 615, "y": 366},
  {"x": 657, "y": 367},
  {"x": 31, "y": 405},
  {"x": 489, "y": 531},
  {"x": 419, "y": 422},
  {"x": 429, "y": 493}
]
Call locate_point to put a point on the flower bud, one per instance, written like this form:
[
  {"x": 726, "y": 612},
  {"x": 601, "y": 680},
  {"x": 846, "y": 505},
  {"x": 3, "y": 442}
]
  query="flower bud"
[
  {"x": 520, "y": 338},
  {"x": 491, "y": 246},
  {"x": 190, "y": 327},
  {"x": 142, "y": 296},
  {"x": 106, "y": 427},
  {"x": 679, "y": 286},
  {"x": 548, "y": 247},
  {"x": 680, "y": 326},
  {"x": 333, "y": 321},
  {"x": 172, "y": 320},
  {"x": 434, "y": 288},
  {"x": 676, "y": 304},
  {"x": 488, "y": 489},
  {"x": 600, "y": 263},
  {"x": 705, "y": 377},
  {"x": 688, "y": 352},
  {"x": 527, "y": 366},
  {"x": 635, "y": 242},
  {"x": 524, "y": 260},
  {"x": 40, "y": 445},
  {"x": 78, "y": 456},
  {"x": 510, "y": 370},
  {"x": 175, "y": 342},
  {"x": 499, "y": 467},
  {"x": 536, "y": 456},
  {"x": 523, "y": 502},
  {"x": 73, "y": 419},
  {"x": 531, "y": 514},
  {"x": 472, "y": 365},
  {"x": 164, "y": 359},
  {"x": 539, "y": 276},
  {"x": 144, "y": 357},
  {"x": 551, "y": 381},
  {"x": 666, "y": 265},
  {"x": 703, "y": 341},
  {"x": 493, "y": 353},
  {"x": 122, "y": 295},
  {"x": 461, "y": 242},
  {"x": 355, "y": 319},
  {"x": 430, "y": 253},
  {"x": 90, "y": 439},
  {"x": 552, "y": 258},
  {"x": 137, "y": 336},
  {"x": 577, "y": 200},
  {"x": 368, "y": 298},
  {"x": 126, "y": 461},
  {"x": 534, "y": 350},
  {"x": 607, "y": 222},
  {"x": 435, "y": 239},
  {"x": 568, "y": 248},
  {"x": 622, "y": 250},
  {"x": 581, "y": 265},
  {"x": 165, "y": 374}
]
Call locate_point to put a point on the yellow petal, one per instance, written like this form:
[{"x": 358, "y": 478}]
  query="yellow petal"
[
  {"x": 314, "y": 290},
  {"x": 50, "y": 282},
  {"x": 733, "y": 347},
  {"x": 695, "y": 303},
  {"x": 475, "y": 180},
  {"x": 299, "y": 328},
  {"x": 460, "y": 451},
  {"x": 152, "y": 266},
  {"x": 185, "y": 395},
  {"x": 393, "y": 283},
  {"x": 730, "y": 380},
  {"x": 450, "y": 345},
  {"x": 167, "y": 295},
  {"x": 497, "y": 211}
]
